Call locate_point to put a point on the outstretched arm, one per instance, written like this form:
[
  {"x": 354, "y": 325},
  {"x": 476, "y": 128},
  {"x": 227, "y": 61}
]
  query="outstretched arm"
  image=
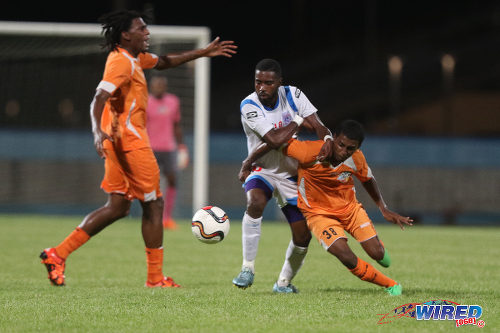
[
  {"x": 215, "y": 48},
  {"x": 372, "y": 188}
]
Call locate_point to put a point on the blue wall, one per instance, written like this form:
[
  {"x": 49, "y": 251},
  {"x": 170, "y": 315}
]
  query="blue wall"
[{"x": 231, "y": 148}]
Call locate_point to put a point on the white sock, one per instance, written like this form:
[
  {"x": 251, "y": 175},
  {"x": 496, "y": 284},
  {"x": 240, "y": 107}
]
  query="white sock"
[
  {"x": 293, "y": 261},
  {"x": 250, "y": 236}
]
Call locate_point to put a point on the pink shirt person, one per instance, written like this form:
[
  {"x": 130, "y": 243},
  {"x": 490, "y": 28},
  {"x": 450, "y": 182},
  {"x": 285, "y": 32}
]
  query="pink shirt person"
[
  {"x": 166, "y": 139},
  {"x": 163, "y": 117},
  {"x": 163, "y": 114}
]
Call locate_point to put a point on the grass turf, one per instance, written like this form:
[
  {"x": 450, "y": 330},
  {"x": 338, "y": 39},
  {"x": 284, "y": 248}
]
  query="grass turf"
[{"x": 105, "y": 281}]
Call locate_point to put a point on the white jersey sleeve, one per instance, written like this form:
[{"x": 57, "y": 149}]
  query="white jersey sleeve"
[
  {"x": 253, "y": 116},
  {"x": 299, "y": 101}
]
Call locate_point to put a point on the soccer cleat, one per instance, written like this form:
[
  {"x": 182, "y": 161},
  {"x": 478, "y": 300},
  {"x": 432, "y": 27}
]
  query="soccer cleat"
[
  {"x": 55, "y": 266},
  {"x": 169, "y": 224},
  {"x": 244, "y": 279},
  {"x": 395, "y": 290},
  {"x": 167, "y": 282},
  {"x": 289, "y": 289}
]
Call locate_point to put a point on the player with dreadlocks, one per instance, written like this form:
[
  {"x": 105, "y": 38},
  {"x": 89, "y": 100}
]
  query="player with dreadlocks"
[{"x": 118, "y": 116}]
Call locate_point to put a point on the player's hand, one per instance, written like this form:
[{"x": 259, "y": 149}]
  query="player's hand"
[
  {"x": 246, "y": 169},
  {"x": 326, "y": 150},
  {"x": 182, "y": 157},
  {"x": 99, "y": 137},
  {"x": 224, "y": 48},
  {"x": 395, "y": 218}
]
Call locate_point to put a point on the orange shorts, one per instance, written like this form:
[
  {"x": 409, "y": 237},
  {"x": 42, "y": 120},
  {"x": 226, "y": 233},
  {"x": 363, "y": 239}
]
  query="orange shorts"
[
  {"x": 328, "y": 228},
  {"x": 134, "y": 174}
]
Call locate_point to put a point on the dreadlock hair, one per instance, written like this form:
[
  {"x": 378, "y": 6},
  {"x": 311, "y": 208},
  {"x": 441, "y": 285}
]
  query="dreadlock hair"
[
  {"x": 269, "y": 65},
  {"x": 351, "y": 129},
  {"x": 114, "y": 23}
]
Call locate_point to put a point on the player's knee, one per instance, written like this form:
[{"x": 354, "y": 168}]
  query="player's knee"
[
  {"x": 343, "y": 253},
  {"x": 302, "y": 239},
  {"x": 152, "y": 209},
  {"x": 172, "y": 181},
  {"x": 256, "y": 205},
  {"x": 158, "y": 204},
  {"x": 123, "y": 212},
  {"x": 119, "y": 211}
]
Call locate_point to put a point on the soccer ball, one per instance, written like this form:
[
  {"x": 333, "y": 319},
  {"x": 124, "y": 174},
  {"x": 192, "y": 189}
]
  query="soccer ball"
[{"x": 210, "y": 224}]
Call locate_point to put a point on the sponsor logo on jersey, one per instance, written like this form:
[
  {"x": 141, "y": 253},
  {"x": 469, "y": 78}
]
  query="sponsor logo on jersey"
[
  {"x": 251, "y": 114},
  {"x": 297, "y": 93},
  {"x": 344, "y": 177},
  {"x": 287, "y": 118}
]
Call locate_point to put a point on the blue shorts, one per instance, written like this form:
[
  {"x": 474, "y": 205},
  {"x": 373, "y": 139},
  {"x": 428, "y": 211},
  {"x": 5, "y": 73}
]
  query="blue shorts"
[{"x": 284, "y": 190}]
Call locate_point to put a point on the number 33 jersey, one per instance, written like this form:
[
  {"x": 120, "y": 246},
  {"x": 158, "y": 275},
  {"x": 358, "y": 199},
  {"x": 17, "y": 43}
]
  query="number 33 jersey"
[{"x": 258, "y": 119}]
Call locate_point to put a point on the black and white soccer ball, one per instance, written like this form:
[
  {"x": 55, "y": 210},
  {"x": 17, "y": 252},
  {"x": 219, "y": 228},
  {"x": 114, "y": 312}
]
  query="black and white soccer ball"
[{"x": 210, "y": 224}]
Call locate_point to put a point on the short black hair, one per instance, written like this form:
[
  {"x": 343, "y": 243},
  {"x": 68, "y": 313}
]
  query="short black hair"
[
  {"x": 114, "y": 23},
  {"x": 352, "y": 129},
  {"x": 269, "y": 65}
]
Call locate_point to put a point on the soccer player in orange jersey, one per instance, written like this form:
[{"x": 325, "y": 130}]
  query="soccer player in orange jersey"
[
  {"x": 328, "y": 201},
  {"x": 118, "y": 115}
]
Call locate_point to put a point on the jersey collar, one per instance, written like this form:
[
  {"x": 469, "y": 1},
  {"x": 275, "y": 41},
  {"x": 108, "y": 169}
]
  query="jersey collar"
[
  {"x": 127, "y": 54},
  {"x": 277, "y": 103}
]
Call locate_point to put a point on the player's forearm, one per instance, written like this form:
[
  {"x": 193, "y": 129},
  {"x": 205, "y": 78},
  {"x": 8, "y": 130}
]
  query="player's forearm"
[
  {"x": 176, "y": 59},
  {"x": 96, "y": 109},
  {"x": 275, "y": 138},
  {"x": 323, "y": 132},
  {"x": 319, "y": 128},
  {"x": 261, "y": 150},
  {"x": 373, "y": 190}
]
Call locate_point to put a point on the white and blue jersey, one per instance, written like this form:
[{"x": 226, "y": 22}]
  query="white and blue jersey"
[{"x": 258, "y": 119}]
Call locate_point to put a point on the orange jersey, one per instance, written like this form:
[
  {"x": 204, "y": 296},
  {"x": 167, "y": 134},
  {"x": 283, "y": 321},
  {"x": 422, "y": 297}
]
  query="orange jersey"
[
  {"x": 124, "y": 116},
  {"x": 324, "y": 188}
]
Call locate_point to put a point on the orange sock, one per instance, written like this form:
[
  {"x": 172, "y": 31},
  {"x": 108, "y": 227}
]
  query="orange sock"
[
  {"x": 367, "y": 272},
  {"x": 75, "y": 239},
  {"x": 154, "y": 259}
]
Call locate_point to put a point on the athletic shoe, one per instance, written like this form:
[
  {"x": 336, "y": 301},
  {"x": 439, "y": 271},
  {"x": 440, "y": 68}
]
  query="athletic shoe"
[
  {"x": 167, "y": 282},
  {"x": 290, "y": 289},
  {"x": 244, "y": 279},
  {"x": 395, "y": 290},
  {"x": 169, "y": 224},
  {"x": 55, "y": 266}
]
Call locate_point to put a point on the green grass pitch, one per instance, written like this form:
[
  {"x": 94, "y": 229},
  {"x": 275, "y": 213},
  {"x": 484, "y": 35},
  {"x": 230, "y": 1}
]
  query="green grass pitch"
[{"x": 105, "y": 281}]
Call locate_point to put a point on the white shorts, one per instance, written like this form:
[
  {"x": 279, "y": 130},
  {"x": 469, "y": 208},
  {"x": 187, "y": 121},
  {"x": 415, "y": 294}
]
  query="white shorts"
[{"x": 282, "y": 188}]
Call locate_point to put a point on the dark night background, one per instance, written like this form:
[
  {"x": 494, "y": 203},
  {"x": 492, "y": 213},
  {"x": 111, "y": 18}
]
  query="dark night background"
[
  {"x": 433, "y": 134},
  {"x": 337, "y": 53}
]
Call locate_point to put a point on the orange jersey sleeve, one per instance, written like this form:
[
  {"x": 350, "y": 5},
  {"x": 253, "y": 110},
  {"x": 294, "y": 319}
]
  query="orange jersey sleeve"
[
  {"x": 303, "y": 151},
  {"x": 148, "y": 60},
  {"x": 361, "y": 169}
]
